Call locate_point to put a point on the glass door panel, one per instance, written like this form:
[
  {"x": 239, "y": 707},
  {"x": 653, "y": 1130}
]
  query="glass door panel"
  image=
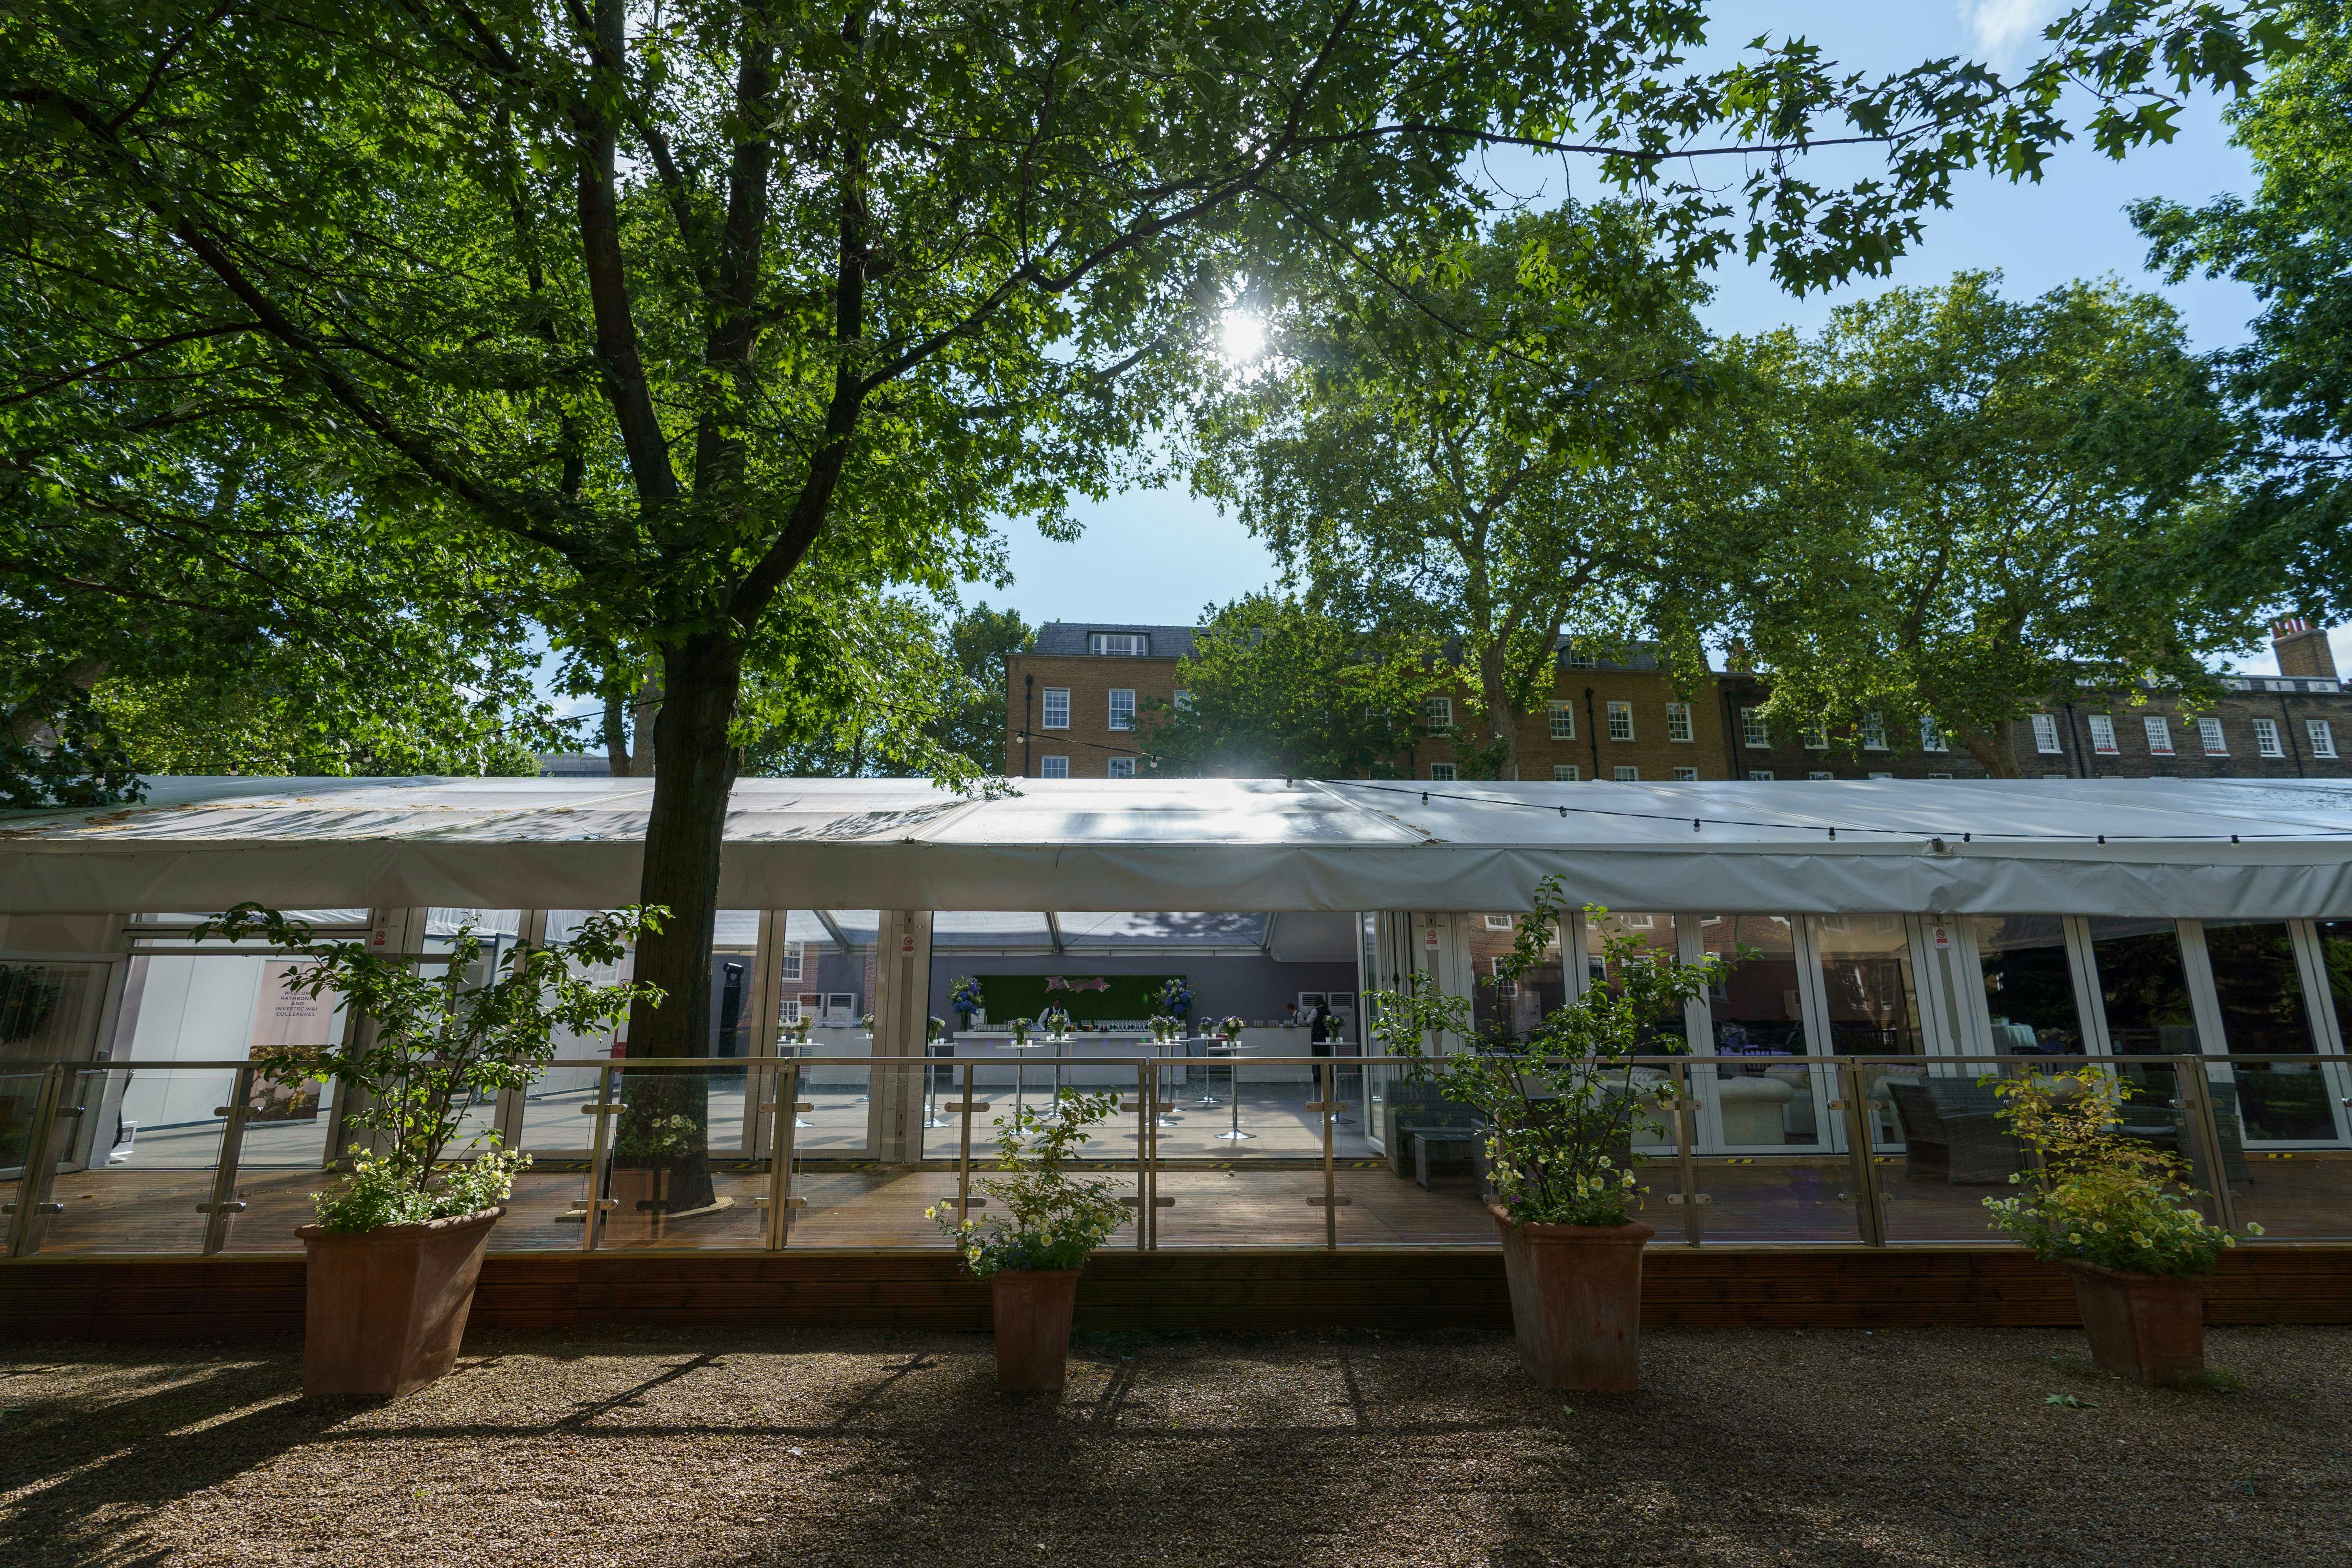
[
  {"x": 2257, "y": 988},
  {"x": 1766, "y": 1102},
  {"x": 2029, "y": 985},
  {"x": 2143, "y": 988},
  {"x": 1513, "y": 1013}
]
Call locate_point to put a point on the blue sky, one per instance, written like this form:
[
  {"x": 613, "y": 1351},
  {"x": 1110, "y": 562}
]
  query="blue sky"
[{"x": 1159, "y": 556}]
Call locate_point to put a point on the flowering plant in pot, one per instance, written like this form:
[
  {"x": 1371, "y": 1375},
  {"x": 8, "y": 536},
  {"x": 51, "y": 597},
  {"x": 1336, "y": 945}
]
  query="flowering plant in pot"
[
  {"x": 1175, "y": 998},
  {"x": 1049, "y": 1224},
  {"x": 1559, "y": 1107},
  {"x": 2115, "y": 1211},
  {"x": 399, "y": 1243},
  {"x": 963, "y": 999}
]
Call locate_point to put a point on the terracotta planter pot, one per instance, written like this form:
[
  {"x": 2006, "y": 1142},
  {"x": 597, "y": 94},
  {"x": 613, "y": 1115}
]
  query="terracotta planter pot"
[
  {"x": 2142, "y": 1326},
  {"x": 1032, "y": 1327},
  {"x": 385, "y": 1310},
  {"x": 1576, "y": 1301}
]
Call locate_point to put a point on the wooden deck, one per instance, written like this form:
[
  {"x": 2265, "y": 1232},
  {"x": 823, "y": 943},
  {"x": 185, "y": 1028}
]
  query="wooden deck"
[{"x": 1255, "y": 1202}]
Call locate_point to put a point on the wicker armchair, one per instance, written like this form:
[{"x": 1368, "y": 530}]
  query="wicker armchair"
[{"x": 1950, "y": 1133}]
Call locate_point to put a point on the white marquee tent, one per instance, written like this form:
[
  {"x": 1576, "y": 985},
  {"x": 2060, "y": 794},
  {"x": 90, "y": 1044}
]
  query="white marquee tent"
[{"x": 2186, "y": 849}]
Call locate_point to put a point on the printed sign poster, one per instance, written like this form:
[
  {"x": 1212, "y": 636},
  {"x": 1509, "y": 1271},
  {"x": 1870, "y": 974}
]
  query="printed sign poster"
[{"x": 287, "y": 1022}]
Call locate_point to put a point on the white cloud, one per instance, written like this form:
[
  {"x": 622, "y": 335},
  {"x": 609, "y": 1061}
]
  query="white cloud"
[{"x": 2002, "y": 27}]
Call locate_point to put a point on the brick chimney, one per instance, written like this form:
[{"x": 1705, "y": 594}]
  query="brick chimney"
[{"x": 2301, "y": 648}]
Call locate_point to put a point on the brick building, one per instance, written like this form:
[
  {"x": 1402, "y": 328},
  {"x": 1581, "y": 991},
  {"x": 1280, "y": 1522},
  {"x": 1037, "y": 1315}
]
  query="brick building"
[{"x": 1077, "y": 694}]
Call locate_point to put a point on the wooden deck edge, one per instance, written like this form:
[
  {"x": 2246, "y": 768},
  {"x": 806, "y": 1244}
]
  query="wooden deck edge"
[{"x": 235, "y": 1299}]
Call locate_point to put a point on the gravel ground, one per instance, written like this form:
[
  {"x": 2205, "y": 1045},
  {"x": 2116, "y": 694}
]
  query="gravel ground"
[{"x": 680, "y": 1449}]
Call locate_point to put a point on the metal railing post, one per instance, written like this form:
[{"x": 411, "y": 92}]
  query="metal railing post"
[
  {"x": 599, "y": 1159},
  {"x": 784, "y": 1112},
  {"x": 1146, "y": 1114},
  {"x": 2193, "y": 1094},
  {"x": 964, "y": 1108},
  {"x": 1331, "y": 1107},
  {"x": 224, "y": 1203},
  {"x": 1857, "y": 1134},
  {"x": 33, "y": 1185},
  {"x": 1686, "y": 1162}
]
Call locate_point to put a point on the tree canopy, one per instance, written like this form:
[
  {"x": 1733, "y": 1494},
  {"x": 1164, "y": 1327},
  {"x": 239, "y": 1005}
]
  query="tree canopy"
[
  {"x": 1957, "y": 507},
  {"x": 715, "y": 318}
]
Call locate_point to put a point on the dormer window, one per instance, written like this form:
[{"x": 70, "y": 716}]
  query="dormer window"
[{"x": 1126, "y": 645}]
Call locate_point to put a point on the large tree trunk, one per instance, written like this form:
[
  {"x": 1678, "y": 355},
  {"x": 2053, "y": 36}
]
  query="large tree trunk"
[
  {"x": 701, "y": 679},
  {"x": 1501, "y": 718}
]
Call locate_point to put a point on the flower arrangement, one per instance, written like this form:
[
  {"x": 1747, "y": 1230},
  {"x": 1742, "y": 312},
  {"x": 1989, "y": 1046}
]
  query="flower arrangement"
[
  {"x": 1231, "y": 1028},
  {"x": 933, "y": 1028},
  {"x": 866, "y": 1022},
  {"x": 963, "y": 996},
  {"x": 1175, "y": 997},
  {"x": 441, "y": 1045},
  {"x": 2102, "y": 1196},
  {"x": 1020, "y": 1027},
  {"x": 1165, "y": 1028},
  {"x": 797, "y": 1031},
  {"x": 1056, "y": 1023},
  {"x": 1560, "y": 1104},
  {"x": 1052, "y": 1221}
]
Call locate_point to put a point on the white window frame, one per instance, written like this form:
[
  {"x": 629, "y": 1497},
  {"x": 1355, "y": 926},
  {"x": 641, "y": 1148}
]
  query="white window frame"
[
  {"x": 1053, "y": 767},
  {"x": 1762, "y": 775},
  {"x": 1815, "y": 737},
  {"x": 1821, "y": 773},
  {"x": 1497, "y": 923},
  {"x": 1754, "y": 733},
  {"x": 1437, "y": 713},
  {"x": 1566, "y": 773},
  {"x": 1121, "y": 714},
  {"x": 2267, "y": 742},
  {"x": 1119, "y": 644},
  {"x": 1620, "y": 720},
  {"x": 2103, "y": 736},
  {"x": 1562, "y": 717},
  {"x": 2159, "y": 730},
  {"x": 2210, "y": 737},
  {"x": 2045, "y": 735},
  {"x": 1873, "y": 731},
  {"x": 1575, "y": 660},
  {"x": 792, "y": 959},
  {"x": 1121, "y": 767},
  {"x": 1625, "y": 773},
  {"x": 1045, "y": 708},
  {"x": 1931, "y": 735},
  {"x": 1443, "y": 773},
  {"x": 1686, "y": 775},
  {"x": 2322, "y": 735},
  {"x": 1678, "y": 723}
]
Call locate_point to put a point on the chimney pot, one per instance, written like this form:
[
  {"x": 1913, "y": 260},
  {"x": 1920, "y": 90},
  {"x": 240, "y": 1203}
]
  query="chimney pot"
[{"x": 2302, "y": 648}]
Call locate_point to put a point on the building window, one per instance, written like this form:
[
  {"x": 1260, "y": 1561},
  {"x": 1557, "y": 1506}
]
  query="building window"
[
  {"x": 1764, "y": 774},
  {"x": 2045, "y": 734},
  {"x": 1184, "y": 704},
  {"x": 1939, "y": 775},
  {"x": 1056, "y": 708},
  {"x": 1931, "y": 736},
  {"x": 1815, "y": 737},
  {"x": 1873, "y": 732},
  {"x": 1439, "y": 712},
  {"x": 795, "y": 955},
  {"x": 1122, "y": 767},
  {"x": 1053, "y": 767},
  {"x": 1678, "y": 722},
  {"x": 1565, "y": 773},
  {"x": 1686, "y": 775},
  {"x": 2159, "y": 735},
  {"x": 1752, "y": 730},
  {"x": 2322, "y": 737},
  {"x": 1124, "y": 645},
  {"x": 1498, "y": 922},
  {"x": 1122, "y": 708},
  {"x": 1817, "y": 774},
  {"x": 1443, "y": 773},
  {"x": 2103, "y": 735},
  {"x": 1563, "y": 720},
  {"x": 1627, "y": 775},
  {"x": 1882, "y": 776},
  {"x": 1620, "y": 720},
  {"x": 2208, "y": 734},
  {"x": 2266, "y": 738},
  {"x": 1575, "y": 660}
]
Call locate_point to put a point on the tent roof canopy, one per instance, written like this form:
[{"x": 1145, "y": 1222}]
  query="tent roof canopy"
[{"x": 2209, "y": 848}]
